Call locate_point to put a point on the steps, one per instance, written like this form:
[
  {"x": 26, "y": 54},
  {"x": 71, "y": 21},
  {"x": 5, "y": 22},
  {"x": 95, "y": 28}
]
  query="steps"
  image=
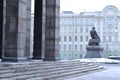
[{"x": 45, "y": 70}]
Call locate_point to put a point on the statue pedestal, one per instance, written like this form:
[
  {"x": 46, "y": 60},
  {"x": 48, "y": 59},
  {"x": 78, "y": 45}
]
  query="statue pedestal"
[{"x": 94, "y": 52}]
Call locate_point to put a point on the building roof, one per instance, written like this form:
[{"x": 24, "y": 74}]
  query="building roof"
[{"x": 67, "y": 12}]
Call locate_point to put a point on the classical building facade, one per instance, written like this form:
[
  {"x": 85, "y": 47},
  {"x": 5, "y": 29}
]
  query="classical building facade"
[
  {"x": 15, "y": 27},
  {"x": 75, "y": 27}
]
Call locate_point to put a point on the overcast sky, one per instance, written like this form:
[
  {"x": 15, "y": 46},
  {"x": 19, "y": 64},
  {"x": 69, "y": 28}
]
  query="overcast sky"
[
  {"x": 78, "y": 6},
  {"x": 32, "y": 6},
  {"x": 87, "y": 5}
]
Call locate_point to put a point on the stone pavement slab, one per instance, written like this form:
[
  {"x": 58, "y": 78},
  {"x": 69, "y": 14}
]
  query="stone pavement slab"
[{"x": 111, "y": 72}]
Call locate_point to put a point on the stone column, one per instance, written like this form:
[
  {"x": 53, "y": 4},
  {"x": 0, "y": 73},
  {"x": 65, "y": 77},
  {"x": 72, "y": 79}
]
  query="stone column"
[
  {"x": 52, "y": 30},
  {"x": 28, "y": 28},
  {"x": 16, "y": 30},
  {"x": 1, "y": 26},
  {"x": 37, "y": 51},
  {"x": 43, "y": 28}
]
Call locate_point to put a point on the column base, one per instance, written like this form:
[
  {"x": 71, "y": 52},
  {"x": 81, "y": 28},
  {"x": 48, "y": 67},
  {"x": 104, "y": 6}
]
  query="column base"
[
  {"x": 50, "y": 59},
  {"x": 14, "y": 59}
]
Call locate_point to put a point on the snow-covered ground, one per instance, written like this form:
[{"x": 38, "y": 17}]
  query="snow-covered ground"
[
  {"x": 96, "y": 60},
  {"x": 100, "y": 60}
]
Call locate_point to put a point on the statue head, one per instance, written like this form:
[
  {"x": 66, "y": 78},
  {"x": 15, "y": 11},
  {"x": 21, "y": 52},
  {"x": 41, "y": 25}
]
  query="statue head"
[{"x": 93, "y": 27}]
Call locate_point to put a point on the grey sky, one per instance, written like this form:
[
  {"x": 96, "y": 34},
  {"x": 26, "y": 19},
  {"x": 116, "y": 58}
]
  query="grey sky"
[
  {"x": 87, "y": 5},
  {"x": 84, "y": 5}
]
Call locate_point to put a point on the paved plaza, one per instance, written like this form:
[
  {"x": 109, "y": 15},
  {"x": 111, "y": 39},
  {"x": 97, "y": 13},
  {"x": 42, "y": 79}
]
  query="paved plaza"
[{"x": 111, "y": 72}]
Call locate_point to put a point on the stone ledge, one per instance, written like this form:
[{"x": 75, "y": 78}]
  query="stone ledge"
[{"x": 94, "y": 48}]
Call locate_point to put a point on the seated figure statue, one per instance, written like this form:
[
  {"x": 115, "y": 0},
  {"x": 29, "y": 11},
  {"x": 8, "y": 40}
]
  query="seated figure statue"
[{"x": 95, "y": 39}]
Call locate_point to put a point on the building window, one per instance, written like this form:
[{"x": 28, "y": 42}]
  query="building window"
[
  {"x": 60, "y": 47},
  {"x": 64, "y": 55},
  {"x": 113, "y": 38},
  {"x": 98, "y": 22},
  {"x": 70, "y": 30},
  {"x": 70, "y": 48},
  {"x": 70, "y": 39},
  {"x": 81, "y": 38},
  {"x": 75, "y": 47},
  {"x": 75, "y": 38},
  {"x": 69, "y": 55},
  {"x": 81, "y": 30},
  {"x": 109, "y": 28},
  {"x": 81, "y": 47},
  {"x": 86, "y": 38},
  {"x": 65, "y": 29},
  {"x": 110, "y": 39},
  {"x": 65, "y": 39},
  {"x": 104, "y": 38},
  {"x": 86, "y": 21},
  {"x": 116, "y": 38},
  {"x": 60, "y": 38},
  {"x": 86, "y": 30},
  {"x": 98, "y": 29},
  {"x": 75, "y": 30},
  {"x": 69, "y": 19},
  {"x": 64, "y": 47}
]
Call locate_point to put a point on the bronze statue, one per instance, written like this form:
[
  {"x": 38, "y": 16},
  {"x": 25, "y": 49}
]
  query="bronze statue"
[{"x": 95, "y": 39}]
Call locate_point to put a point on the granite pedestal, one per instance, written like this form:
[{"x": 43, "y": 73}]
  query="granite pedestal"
[{"x": 94, "y": 52}]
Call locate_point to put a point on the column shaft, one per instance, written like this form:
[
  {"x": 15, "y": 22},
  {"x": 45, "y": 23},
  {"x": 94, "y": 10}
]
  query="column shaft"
[
  {"x": 16, "y": 32},
  {"x": 52, "y": 30}
]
